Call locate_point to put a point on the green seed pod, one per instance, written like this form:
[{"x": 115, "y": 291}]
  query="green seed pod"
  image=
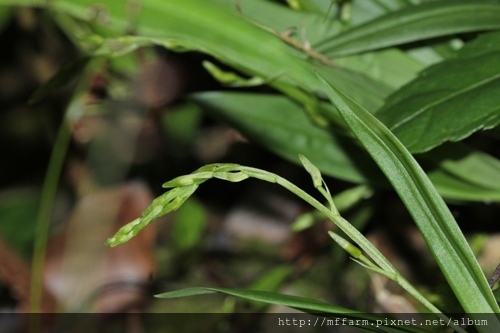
[{"x": 312, "y": 170}]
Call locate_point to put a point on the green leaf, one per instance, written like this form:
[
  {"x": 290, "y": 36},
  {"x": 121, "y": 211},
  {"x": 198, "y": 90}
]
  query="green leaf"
[
  {"x": 450, "y": 100},
  {"x": 281, "y": 126},
  {"x": 471, "y": 166},
  {"x": 455, "y": 188},
  {"x": 243, "y": 42},
  {"x": 391, "y": 67},
  {"x": 296, "y": 302},
  {"x": 370, "y": 323},
  {"x": 361, "y": 12},
  {"x": 303, "y": 27},
  {"x": 369, "y": 93},
  {"x": 436, "y": 223},
  {"x": 413, "y": 23}
]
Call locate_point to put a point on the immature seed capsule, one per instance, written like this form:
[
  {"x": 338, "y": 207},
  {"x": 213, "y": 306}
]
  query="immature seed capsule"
[
  {"x": 312, "y": 170},
  {"x": 351, "y": 249}
]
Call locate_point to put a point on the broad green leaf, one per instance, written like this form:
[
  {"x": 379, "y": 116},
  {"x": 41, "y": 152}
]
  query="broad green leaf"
[
  {"x": 258, "y": 52},
  {"x": 454, "y": 188},
  {"x": 281, "y": 126},
  {"x": 363, "y": 11},
  {"x": 413, "y": 23},
  {"x": 316, "y": 6},
  {"x": 240, "y": 41},
  {"x": 436, "y": 223},
  {"x": 304, "y": 27},
  {"x": 179, "y": 25},
  {"x": 391, "y": 67},
  {"x": 369, "y": 93},
  {"x": 370, "y": 323},
  {"x": 462, "y": 173},
  {"x": 473, "y": 167},
  {"x": 450, "y": 100}
]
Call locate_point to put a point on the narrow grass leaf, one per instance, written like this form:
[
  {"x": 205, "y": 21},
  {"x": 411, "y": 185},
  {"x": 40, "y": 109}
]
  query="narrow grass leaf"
[
  {"x": 362, "y": 320},
  {"x": 432, "y": 216},
  {"x": 413, "y": 23}
]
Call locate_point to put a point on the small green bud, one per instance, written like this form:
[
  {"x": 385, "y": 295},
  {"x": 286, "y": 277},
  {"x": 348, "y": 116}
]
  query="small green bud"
[
  {"x": 312, "y": 170},
  {"x": 125, "y": 233},
  {"x": 351, "y": 249}
]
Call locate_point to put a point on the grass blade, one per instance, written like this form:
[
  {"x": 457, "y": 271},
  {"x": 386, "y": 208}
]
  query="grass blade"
[
  {"x": 364, "y": 321},
  {"x": 413, "y": 23},
  {"x": 432, "y": 216}
]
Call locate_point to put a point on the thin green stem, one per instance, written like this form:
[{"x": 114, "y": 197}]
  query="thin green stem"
[
  {"x": 237, "y": 173},
  {"x": 326, "y": 193},
  {"x": 44, "y": 215},
  {"x": 353, "y": 234}
]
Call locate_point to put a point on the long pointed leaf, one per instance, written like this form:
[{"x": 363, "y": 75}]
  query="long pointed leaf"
[
  {"x": 365, "y": 321},
  {"x": 413, "y": 23},
  {"x": 215, "y": 28},
  {"x": 432, "y": 216}
]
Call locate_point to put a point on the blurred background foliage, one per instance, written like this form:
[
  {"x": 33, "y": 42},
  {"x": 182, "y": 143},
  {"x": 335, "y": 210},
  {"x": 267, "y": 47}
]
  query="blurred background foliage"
[{"x": 152, "y": 114}]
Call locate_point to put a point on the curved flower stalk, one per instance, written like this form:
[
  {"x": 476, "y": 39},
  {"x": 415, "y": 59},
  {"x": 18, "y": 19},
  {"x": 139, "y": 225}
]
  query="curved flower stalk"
[{"x": 181, "y": 188}]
